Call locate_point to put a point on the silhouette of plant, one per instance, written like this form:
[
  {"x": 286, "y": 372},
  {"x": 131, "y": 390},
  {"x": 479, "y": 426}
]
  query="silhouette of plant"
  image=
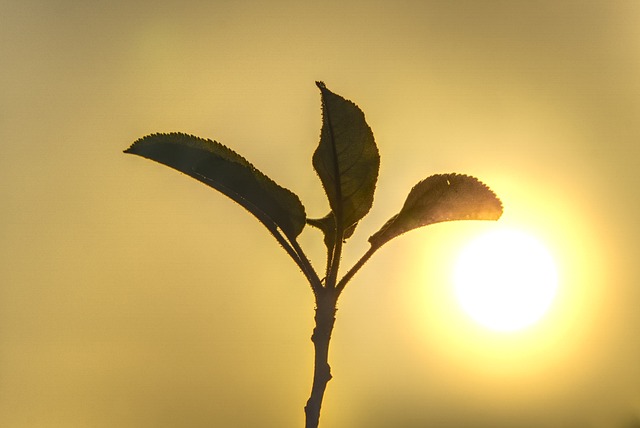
[{"x": 347, "y": 162}]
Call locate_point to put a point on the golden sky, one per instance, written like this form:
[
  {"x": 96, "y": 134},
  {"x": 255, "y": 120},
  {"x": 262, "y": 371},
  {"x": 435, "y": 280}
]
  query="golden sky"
[{"x": 132, "y": 296}]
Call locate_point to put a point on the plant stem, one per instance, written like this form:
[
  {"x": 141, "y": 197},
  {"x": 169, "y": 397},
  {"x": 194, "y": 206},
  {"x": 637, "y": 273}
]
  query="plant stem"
[{"x": 325, "y": 318}]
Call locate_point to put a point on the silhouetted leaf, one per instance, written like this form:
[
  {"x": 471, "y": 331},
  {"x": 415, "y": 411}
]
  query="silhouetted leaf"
[
  {"x": 441, "y": 197},
  {"x": 224, "y": 170},
  {"x": 346, "y": 160},
  {"x": 327, "y": 225}
]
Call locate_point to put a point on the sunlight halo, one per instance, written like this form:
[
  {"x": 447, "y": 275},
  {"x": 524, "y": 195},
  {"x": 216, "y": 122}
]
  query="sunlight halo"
[{"x": 505, "y": 280}]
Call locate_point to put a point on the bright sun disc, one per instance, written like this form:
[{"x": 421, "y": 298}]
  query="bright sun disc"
[{"x": 505, "y": 280}]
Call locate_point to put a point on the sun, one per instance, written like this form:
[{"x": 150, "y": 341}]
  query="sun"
[{"x": 505, "y": 280}]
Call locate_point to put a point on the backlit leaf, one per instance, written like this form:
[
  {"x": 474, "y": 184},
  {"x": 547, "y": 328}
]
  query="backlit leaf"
[
  {"x": 441, "y": 197},
  {"x": 346, "y": 160}
]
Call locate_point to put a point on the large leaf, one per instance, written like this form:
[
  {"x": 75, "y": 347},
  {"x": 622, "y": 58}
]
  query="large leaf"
[
  {"x": 441, "y": 197},
  {"x": 224, "y": 170},
  {"x": 346, "y": 160}
]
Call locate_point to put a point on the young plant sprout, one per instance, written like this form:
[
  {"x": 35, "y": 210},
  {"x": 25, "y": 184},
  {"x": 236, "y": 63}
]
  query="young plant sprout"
[{"x": 347, "y": 162}]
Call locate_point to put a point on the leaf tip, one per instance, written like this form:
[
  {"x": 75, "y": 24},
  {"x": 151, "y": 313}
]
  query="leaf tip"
[
  {"x": 132, "y": 149},
  {"x": 138, "y": 145}
]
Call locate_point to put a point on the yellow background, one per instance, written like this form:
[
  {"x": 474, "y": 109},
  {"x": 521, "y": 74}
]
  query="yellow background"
[{"x": 132, "y": 296}]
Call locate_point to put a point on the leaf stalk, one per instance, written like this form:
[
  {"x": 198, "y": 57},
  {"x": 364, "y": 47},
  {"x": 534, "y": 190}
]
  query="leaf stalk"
[{"x": 355, "y": 268}]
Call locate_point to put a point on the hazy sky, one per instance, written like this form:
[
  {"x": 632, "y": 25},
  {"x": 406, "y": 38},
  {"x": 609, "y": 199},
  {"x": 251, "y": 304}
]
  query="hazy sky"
[{"x": 133, "y": 296}]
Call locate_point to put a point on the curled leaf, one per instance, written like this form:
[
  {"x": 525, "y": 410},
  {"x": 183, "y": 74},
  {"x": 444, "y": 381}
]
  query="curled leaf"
[
  {"x": 346, "y": 160},
  {"x": 327, "y": 225},
  {"x": 223, "y": 169},
  {"x": 441, "y": 197}
]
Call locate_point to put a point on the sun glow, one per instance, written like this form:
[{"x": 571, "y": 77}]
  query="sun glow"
[{"x": 505, "y": 280}]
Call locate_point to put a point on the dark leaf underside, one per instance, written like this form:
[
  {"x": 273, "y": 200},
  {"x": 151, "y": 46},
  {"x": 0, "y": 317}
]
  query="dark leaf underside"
[{"x": 223, "y": 169}]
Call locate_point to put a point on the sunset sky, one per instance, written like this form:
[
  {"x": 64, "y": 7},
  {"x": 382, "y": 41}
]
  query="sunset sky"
[{"x": 133, "y": 296}]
